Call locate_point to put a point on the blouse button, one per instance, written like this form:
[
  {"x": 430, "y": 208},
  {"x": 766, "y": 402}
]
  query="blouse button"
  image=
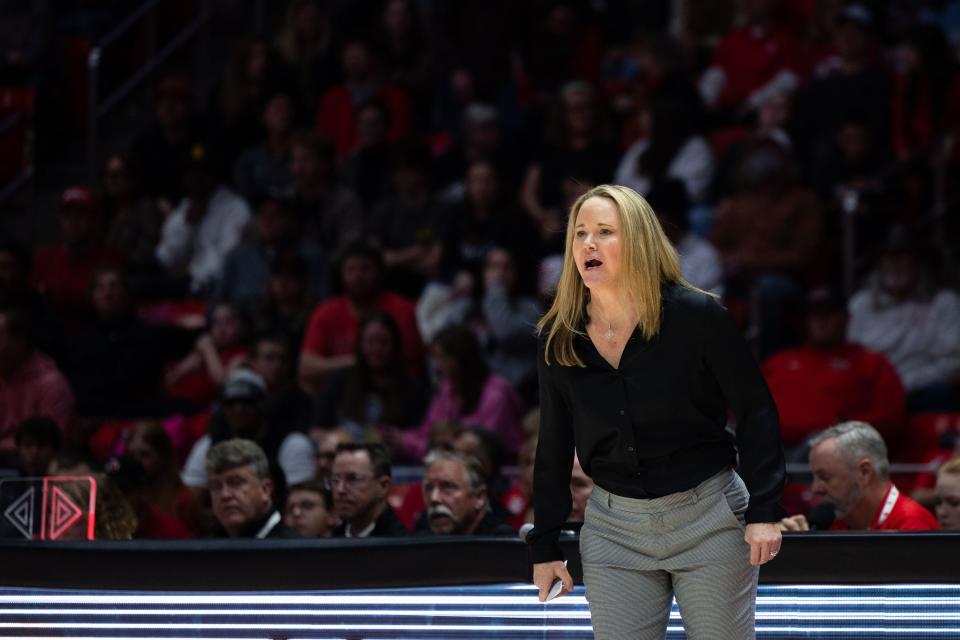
[
  {"x": 630, "y": 449},
  {"x": 622, "y": 412}
]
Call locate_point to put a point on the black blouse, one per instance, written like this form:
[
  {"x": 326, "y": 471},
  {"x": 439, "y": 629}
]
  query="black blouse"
[{"x": 657, "y": 424}]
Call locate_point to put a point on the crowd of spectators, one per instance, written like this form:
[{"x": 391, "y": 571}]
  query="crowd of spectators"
[{"x": 334, "y": 263}]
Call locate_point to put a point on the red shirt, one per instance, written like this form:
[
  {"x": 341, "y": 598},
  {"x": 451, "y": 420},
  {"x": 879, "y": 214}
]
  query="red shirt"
[
  {"x": 37, "y": 388},
  {"x": 897, "y": 512},
  {"x": 154, "y": 524},
  {"x": 816, "y": 388},
  {"x": 332, "y": 329},
  {"x": 337, "y": 116},
  {"x": 750, "y": 58},
  {"x": 64, "y": 278},
  {"x": 197, "y": 387}
]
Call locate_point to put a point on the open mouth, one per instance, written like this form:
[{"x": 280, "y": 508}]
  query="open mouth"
[{"x": 593, "y": 263}]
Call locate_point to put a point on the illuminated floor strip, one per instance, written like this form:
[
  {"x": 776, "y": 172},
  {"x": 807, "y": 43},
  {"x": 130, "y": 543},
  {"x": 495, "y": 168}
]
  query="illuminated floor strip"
[{"x": 507, "y": 612}]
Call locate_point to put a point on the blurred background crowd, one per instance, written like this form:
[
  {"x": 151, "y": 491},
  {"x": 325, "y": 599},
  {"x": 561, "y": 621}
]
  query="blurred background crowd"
[{"x": 345, "y": 236}]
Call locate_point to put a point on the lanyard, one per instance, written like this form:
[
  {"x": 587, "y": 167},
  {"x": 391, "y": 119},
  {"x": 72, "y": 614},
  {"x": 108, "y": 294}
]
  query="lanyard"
[{"x": 892, "y": 495}]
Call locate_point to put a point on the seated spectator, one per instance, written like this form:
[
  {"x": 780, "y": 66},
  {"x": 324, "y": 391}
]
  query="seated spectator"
[
  {"x": 406, "y": 226},
  {"x": 245, "y": 277},
  {"x": 669, "y": 148},
  {"x": 367, "y": 171},
  {"x": 38, "y": 442},
  {"x": 856, "y": 177},
  {"x": 287, "y": 304},
  {"x": 486, "y": 447},
  {"x": 198, "y": 377},
  {"x": 926, "y": 89},
  {"x": 767, "y": 235},
  {"x": 507, "y": 322},
  {"x": 326, "y": 442},
  {"x": 30, "y": 384},
  {"x": 265, "y": 165},
  {"x": 242, "y": 415},
  {"x": 116, "y": 358},
  {"x": 133, "y": 220},
  {"x": 518, "y": 498},
  {"x": 115, "y": 516},
  {"x": 851, "y": 472},
  {"x": 830, "y": 380},
  {"x": 362, "y": 80},
  {"x": 485, "y": 218},
  {"x": 699, "y": 261},
  {"x": 455, "y": 494},
  {"x": 309, "y": 42},
  {"x": 163, "y": 489},
  {"x": 360, "y": 481},
  {"x": 309, "y": 510},
  {"x": 287, "y": 405},
  {"x": 581, "y": 486},
  {"x": 328, "y": 212},
  {"x": 468, "y": 392},
  {"x": 332, "y": 332},
  {"x": 16, "y": 291},
  {"x": 406, "y": 55},
  {"x": 946, "y": 495},
  {"x": 62, "y": 272},
  {"x": 204, "y": 227},
  {"x": 25, "y": 34},
  {"x": 376, "y": 391},
  {"x": 854, "y": 79},
  {"x": 577, "y": 150},
  {"x": 160, "y": 153},
  {"x": 241, "y": 491},
  {"x": 904, "y": 315},
  {"x": 775, "y": 121},
  {"x": 253, "y": 73},
  {"x": 130, "y": 477},
  {"x": 751, "y": 62},
  {"x": 482, "y": 140}
]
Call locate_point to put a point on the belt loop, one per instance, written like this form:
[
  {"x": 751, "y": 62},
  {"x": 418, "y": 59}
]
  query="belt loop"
[{"x": 609, "y": 499}]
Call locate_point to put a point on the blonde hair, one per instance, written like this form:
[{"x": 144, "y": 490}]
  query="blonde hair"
[
  {"x": 950, "y": 467},
  {"x": 649, "y": 261}
]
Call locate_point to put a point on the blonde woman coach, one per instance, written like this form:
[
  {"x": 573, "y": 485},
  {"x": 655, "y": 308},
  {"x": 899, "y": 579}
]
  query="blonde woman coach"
[{"x": 637, "y": 372}]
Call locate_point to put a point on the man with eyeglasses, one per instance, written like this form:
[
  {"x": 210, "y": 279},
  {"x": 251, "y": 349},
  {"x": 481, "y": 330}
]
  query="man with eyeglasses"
[
  {"x": 455, "y": 494},
  {"x": 360, "y": 482}
]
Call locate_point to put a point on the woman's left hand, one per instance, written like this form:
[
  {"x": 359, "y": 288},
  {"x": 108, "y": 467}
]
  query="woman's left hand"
[{"x": 764, "y": 540}]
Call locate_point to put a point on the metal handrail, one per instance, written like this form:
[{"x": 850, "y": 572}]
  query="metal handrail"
[
  {"x": 97, "y": 109},
  {"x": 127, "y": 23}
]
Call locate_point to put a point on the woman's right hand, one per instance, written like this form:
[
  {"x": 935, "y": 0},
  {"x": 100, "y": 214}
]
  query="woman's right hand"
[{"x": 544, "y": 575}]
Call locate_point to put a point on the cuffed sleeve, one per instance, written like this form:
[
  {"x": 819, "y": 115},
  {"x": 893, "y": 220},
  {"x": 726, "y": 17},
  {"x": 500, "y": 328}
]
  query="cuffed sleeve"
[
  {"x": 553, "y": 464},
  {"x": 757, "y": 423}
]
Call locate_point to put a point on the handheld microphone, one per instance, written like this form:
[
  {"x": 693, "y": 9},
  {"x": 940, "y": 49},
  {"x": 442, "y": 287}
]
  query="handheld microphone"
[{"x": 821, "y": 516}]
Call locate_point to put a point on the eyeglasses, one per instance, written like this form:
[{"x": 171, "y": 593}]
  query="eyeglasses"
[{"x": 352, "y": 480}]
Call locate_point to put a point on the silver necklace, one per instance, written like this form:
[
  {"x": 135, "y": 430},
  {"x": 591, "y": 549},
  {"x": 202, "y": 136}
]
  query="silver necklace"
[{"x": 609, "y": 332}]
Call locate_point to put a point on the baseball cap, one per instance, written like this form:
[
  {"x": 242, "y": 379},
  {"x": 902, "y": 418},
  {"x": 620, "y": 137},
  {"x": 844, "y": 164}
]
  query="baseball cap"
[
  {"x": 244, "y": 384},
  {"x": 78, "y": 197},
  {"x": 857, "y": 13}
]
